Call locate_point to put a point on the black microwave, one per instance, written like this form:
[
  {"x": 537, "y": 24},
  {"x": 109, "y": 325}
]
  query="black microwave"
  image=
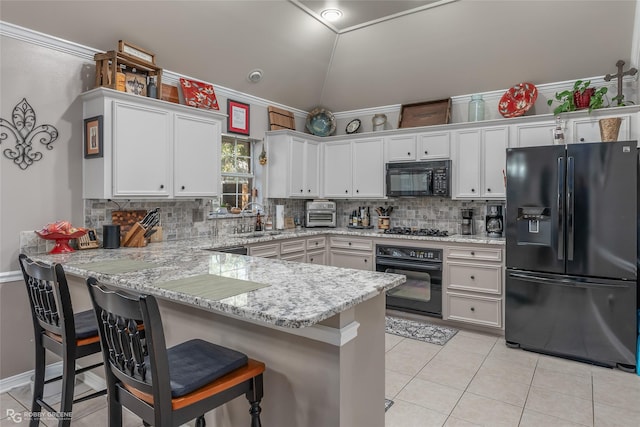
[{"x": 430, "y": 178}]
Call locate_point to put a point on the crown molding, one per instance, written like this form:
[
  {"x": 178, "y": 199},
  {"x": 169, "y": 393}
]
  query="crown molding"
[{"x": 86, "y": 53}]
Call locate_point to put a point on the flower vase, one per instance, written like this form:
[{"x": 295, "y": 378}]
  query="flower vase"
[{"x": 609, "y": 128}]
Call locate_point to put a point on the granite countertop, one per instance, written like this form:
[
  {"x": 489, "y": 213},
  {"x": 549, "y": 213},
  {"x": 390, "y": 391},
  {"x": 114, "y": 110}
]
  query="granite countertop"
[{"x": 298, "y": 294}]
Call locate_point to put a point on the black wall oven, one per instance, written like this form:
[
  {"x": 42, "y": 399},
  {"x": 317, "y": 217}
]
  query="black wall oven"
[{"x": 422, "y": 292}]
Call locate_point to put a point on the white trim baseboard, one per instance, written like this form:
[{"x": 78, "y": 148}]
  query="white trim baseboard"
[
  {"x": 11, "y": 276},
  {"x": 6, "y": 384}
]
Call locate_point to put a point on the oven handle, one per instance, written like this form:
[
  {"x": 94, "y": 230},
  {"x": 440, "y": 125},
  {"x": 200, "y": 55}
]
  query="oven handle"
[{"x": 415, "y": 266}]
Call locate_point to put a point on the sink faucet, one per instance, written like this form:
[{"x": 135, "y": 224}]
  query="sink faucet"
[{"x": 254, "y": 204}]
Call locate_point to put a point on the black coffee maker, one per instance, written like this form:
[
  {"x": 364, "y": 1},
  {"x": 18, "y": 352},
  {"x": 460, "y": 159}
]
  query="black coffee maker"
[{"x": 494, "y": 222}]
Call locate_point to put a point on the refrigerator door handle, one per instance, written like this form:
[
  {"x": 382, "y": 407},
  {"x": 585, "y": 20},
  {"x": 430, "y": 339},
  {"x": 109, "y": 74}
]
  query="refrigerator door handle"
[
  {"x": 564, "y": 282},
  {"x": 570, "y": 208},
  {"x": 560, "y": 208}
]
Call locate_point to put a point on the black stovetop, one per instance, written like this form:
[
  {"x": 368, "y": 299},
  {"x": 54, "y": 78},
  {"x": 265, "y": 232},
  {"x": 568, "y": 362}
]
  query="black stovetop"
[{"x": 407, "y": 231}]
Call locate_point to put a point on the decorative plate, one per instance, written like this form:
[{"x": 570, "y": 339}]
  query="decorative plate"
[
  {"x": 321, "y": 122},
  {"x": 517, "y": 100},
  {"x": 353, "y": 126},
  {"x": 198, "y": 94}
]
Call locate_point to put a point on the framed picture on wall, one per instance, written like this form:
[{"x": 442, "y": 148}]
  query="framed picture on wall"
[
  {"x": 93, "y": 137},
  {"x": 238, "y": 117}
]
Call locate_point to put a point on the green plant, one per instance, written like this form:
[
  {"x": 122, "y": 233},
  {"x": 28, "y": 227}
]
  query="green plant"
[{"x": 567, "y": 98}]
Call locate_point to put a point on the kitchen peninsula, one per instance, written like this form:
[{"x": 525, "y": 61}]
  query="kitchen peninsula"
[{"x": 319, "y": 329}]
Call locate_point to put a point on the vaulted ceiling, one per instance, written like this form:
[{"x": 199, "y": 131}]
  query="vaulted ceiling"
[{"x": 436, "y": 50}]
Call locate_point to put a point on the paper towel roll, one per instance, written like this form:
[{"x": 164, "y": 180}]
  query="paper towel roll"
[{"x": 279, "y": 217}]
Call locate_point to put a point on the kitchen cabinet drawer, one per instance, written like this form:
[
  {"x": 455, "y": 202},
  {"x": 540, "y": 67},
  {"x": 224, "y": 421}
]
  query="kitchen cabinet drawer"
[
  {"x": 290, "y": 246},
  {"x": 296, "y": 256},
  {"x": 270, "y": 250},
  {"x": 349, "y": 243},
  {"x": 480, "y": 254},
  {"x": 475, "y": 277},
  {"x": 317, "y": 257},
  {"x": 316, "y": 243},
  {"x": 351, "y": 259},
  {"x": 479, "y": 310}
]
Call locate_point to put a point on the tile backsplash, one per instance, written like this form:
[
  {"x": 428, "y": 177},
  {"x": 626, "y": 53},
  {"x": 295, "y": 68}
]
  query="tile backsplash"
[{"x": 188, "y": 218}]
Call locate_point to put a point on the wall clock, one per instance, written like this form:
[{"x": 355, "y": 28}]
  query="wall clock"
[{"x": 353, "y": 126}]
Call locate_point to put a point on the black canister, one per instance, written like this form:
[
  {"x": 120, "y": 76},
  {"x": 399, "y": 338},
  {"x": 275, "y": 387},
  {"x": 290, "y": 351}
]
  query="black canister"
[{"x": 111, "y": 236}]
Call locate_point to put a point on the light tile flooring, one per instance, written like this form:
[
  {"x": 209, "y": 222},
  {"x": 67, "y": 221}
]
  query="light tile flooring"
[
  {"x": 476, "y": 380},
  {"x": 473, "y": 380}
]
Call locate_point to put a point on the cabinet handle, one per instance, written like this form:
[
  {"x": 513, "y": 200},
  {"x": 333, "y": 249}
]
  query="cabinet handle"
[
  {"x": 581, "y": 139},
  {"x": 311, "y": 259},
  {"x": 473, "y": 277},
  {"x": 346, "y": 191},
  {"x": 408, "y": 153},
  {"x": 473, "y": 309},
  {"x": 365, "y": 260},
  {"x": 473, "y": 190},
  {"x": 349, "y": 243},
  {"x": 301, "y": 190},
  {"x": 426, "y": 152},
  {"x": 316, "y": 243},
  {"x": 472, "y": 253},
  {"x": 309, "y": 190},
  {"x": 161, "y": 186},
  {"x": 488, "y": 190},
  {"x": 357, "y": 191},
  {"x": 182, "y": 187}
]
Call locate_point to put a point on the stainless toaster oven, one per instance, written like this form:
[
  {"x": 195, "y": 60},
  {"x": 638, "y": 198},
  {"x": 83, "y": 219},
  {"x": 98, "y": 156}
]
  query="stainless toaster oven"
[{"x": 320, "y": 213}]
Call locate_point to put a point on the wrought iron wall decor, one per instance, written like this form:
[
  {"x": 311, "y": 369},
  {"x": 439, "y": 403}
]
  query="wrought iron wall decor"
[{"x": 22, "y": 131}]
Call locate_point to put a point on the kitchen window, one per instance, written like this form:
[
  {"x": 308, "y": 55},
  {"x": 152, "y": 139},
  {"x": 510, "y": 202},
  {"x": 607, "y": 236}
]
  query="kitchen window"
[{"x": 237, "y": 171}]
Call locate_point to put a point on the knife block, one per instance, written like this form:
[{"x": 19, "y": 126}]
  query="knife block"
[{"x": 135, "y": 237}]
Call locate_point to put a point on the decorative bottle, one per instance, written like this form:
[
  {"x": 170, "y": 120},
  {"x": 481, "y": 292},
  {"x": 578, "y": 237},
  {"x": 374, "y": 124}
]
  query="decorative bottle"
[
  {"x": 151, "y": 88},
  {"x": 558, "y": 132},
  {"x": 476, "y": 108}
]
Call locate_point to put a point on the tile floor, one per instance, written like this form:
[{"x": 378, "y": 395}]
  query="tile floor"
[{"x": 473, "y": 380}]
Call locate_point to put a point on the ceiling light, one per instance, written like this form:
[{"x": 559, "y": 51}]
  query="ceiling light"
[
  {"x": 331, "y": 15},
  {"x": 255, "y": 75}
]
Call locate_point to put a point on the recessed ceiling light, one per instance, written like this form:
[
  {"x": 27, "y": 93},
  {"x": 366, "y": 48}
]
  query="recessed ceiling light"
[
  {"x": 331, "y": 15},
  {"x": 255, "y": 75}
]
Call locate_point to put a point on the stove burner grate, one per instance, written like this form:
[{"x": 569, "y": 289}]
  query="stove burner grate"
[{"x": 434, "y": 232}]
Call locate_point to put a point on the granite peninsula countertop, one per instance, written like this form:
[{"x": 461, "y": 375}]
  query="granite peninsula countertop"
[{"x": 298, "y": 294}]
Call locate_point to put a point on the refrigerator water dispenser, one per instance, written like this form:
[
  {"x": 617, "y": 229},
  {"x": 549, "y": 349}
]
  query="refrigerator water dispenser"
[{"x": 534, "y": 226}]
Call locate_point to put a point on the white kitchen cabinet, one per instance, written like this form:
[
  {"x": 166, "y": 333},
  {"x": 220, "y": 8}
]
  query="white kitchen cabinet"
[
  {"x": 533, "y": 134},
  {"x": 293, "y": 166},
  {"x": 588, "y": 130},
  {"x": 473, "y": 287},
  {"x": 354, "y": 169},
  {"x": 196, "y": 156},
  {"x": 151, "y": 148},
  {"x": 434, "y": 145},
  {"x": 141, "y": 138},
  {"x": 337, "y": 173},
  {"x": 400, "y": 148},
  {"x": 479, "y": 163},
  {"x": 350, "y": 252},
  {"x": 317, "y": 257},
  {"x": 265, "y": 250},
  {"x": 368, "y": 168}
]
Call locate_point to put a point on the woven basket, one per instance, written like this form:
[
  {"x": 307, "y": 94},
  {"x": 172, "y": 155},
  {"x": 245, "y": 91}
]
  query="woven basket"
[{"x": 609, "y": 129}]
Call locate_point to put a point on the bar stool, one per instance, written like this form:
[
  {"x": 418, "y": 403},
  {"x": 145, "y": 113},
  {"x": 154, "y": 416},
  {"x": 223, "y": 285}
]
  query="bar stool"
[
  {"x": 166, "y": 387},
  {"x": 57, "y": 329}
]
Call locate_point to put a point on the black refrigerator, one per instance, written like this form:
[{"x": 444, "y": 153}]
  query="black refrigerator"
[{"x": 572, "y": 251}]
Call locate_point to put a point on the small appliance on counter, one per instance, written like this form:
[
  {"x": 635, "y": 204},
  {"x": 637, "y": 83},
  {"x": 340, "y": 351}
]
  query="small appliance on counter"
[
  {"x": 494, "y": 222},
  {"x": 466, "y": 225},
  {"x": 320, "y": 213}
]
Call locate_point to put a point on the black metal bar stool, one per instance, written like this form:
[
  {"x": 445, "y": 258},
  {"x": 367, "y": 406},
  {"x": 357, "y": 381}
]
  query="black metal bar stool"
[
  {"x": 57, "y": 329},
  {"x": 166, "y": 387}
]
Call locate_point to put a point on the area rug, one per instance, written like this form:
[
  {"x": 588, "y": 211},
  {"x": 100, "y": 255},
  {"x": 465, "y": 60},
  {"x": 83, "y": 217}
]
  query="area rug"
[
  {"x": 419, "y": 330},
  {"x": 387, "y": 404}
]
